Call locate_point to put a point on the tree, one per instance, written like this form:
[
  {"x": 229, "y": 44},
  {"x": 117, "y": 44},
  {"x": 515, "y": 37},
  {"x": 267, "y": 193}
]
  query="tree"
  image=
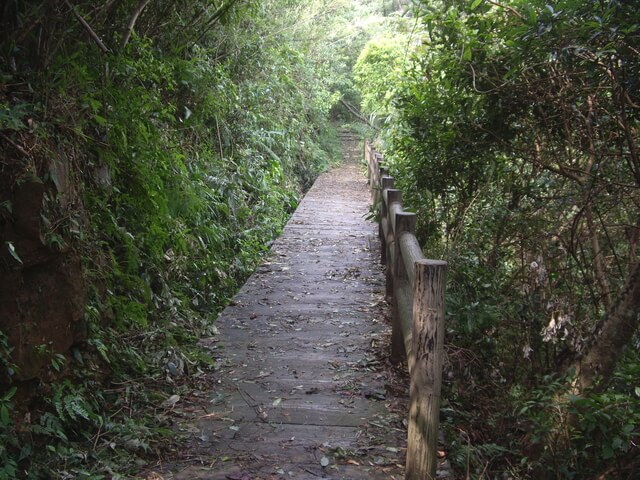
[{"x": 516, "y": 142}]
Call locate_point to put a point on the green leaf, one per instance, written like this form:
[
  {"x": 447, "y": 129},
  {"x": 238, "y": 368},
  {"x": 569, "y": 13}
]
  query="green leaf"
[
  {"x": 100, "y": 120},
  {"x": 467, "y": 54},
  {"x": 12, "y": 252},
  {"x": 475, "y": 4},
  {"x": 9, "y": 395},
  {"x": 4, "y": 415}
]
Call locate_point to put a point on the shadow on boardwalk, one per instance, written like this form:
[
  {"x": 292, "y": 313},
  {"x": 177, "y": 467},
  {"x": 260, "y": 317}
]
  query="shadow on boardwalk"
[{"x": 303, "y": 389}]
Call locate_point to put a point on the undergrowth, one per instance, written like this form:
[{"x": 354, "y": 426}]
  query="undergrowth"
[{"x": 186, "y": 159}]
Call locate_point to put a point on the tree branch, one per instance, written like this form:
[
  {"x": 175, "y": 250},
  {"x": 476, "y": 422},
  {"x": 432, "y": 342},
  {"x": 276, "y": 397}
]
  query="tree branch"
[
  {"x": 132, "y": 21},
  {"x": 14, "y": 145},
  {"x": 354, "y": 111},
  {"x": 88, "y": 28},
  {"x": 508, "y": 8},
  {"x": 217, "y": 15}
]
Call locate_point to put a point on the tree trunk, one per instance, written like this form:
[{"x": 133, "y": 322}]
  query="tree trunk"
[{"x": 595, "y": 367}]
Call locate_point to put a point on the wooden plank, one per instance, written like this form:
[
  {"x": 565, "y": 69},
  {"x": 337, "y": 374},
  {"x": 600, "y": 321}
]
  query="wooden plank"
[{"x": 411, "y": 253}]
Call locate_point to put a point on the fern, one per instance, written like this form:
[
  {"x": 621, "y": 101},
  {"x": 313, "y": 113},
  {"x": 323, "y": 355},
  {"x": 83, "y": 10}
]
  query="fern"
[
  {"x": 58, "y": 403},
  {"x": 71, "y": 405},
  {"x": 102, "y": 350},
  {"x": 50, "y": 426},
  {"x": 74, "y": 407}
]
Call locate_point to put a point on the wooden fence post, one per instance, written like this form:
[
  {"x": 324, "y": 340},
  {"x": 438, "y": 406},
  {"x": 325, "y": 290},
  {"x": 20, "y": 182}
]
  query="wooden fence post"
[
  {"x": 389, "y": 243},
  {"x": 386, "y": 182},
  {"x": 404, "y": 222},
  {"x": 425, "y": 369},
  {"x": 367, "y": 159}
]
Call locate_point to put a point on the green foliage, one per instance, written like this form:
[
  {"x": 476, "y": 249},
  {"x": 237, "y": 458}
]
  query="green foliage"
[
  {"x": 189, "y": 146},
  {"x": 377, "y": 70},
  {"x": 8, "y": 368},
  {"x": 582, "y": 438},
  {"x": 12, "y": 117},
  {"x": 8, "y": 441},
  {"x": 514, "y": 138},
  {"x": 71, "y": 405}
]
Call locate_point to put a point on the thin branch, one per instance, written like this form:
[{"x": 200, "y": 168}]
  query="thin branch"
[
  {"x": 354, "y": 111},
  {"x": 507, "y": 7},
  {"x": 559, "y": 170},
  {"x": 132, "y": 22},
  {"x": 598, "y": 258},
  {"x": 14, "y": 145},
  {"x": 494, "y": 89},
  {"x": 20, "y": 37},
  {"x": 217, "y": 15},
  {"x": 219, "y": 139},
  {"x": 88, "y": 28}
]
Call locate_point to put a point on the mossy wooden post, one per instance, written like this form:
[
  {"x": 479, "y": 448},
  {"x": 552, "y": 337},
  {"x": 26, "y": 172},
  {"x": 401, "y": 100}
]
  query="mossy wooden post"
[
  {"x": 425, "y": 369},
  {"x": 403, "y": 223}
]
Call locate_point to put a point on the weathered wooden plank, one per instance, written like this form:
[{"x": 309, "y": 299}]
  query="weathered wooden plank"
[{"x": 411, "y": 253}]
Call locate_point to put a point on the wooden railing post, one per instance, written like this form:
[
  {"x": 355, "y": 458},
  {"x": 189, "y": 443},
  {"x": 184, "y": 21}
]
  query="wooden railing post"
[
  {"x": 373, "y": 174},
  {"x": 386, "y": 183},
  {"x": 415, "y": 287},
  {"x": 374, "y": 162},
  {"x": 389, "y": 242},
  {"x": 425, "y": 369},
  {"x": 403, "y": 223},
  {"x": 367, "y": 159}
]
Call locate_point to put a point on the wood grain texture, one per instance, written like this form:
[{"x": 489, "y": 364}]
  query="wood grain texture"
[{"x": 426, "y": 369}]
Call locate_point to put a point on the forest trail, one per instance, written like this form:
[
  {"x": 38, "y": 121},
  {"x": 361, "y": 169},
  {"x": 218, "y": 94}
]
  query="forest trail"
[{"x": 304, "y": 390}]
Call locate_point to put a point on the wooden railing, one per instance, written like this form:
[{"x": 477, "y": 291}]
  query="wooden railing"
[{"x": 415, "y": 287}]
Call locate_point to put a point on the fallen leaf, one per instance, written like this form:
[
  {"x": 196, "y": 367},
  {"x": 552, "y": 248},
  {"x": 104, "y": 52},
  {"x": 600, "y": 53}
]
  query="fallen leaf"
[
  {"x": 262, "y": 414},
  {"x": 171, "y": 401}
]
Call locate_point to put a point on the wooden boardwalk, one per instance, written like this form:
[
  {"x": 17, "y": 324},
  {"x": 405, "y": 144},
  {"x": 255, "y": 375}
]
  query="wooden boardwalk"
[{"x": 303, "y": 390}]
